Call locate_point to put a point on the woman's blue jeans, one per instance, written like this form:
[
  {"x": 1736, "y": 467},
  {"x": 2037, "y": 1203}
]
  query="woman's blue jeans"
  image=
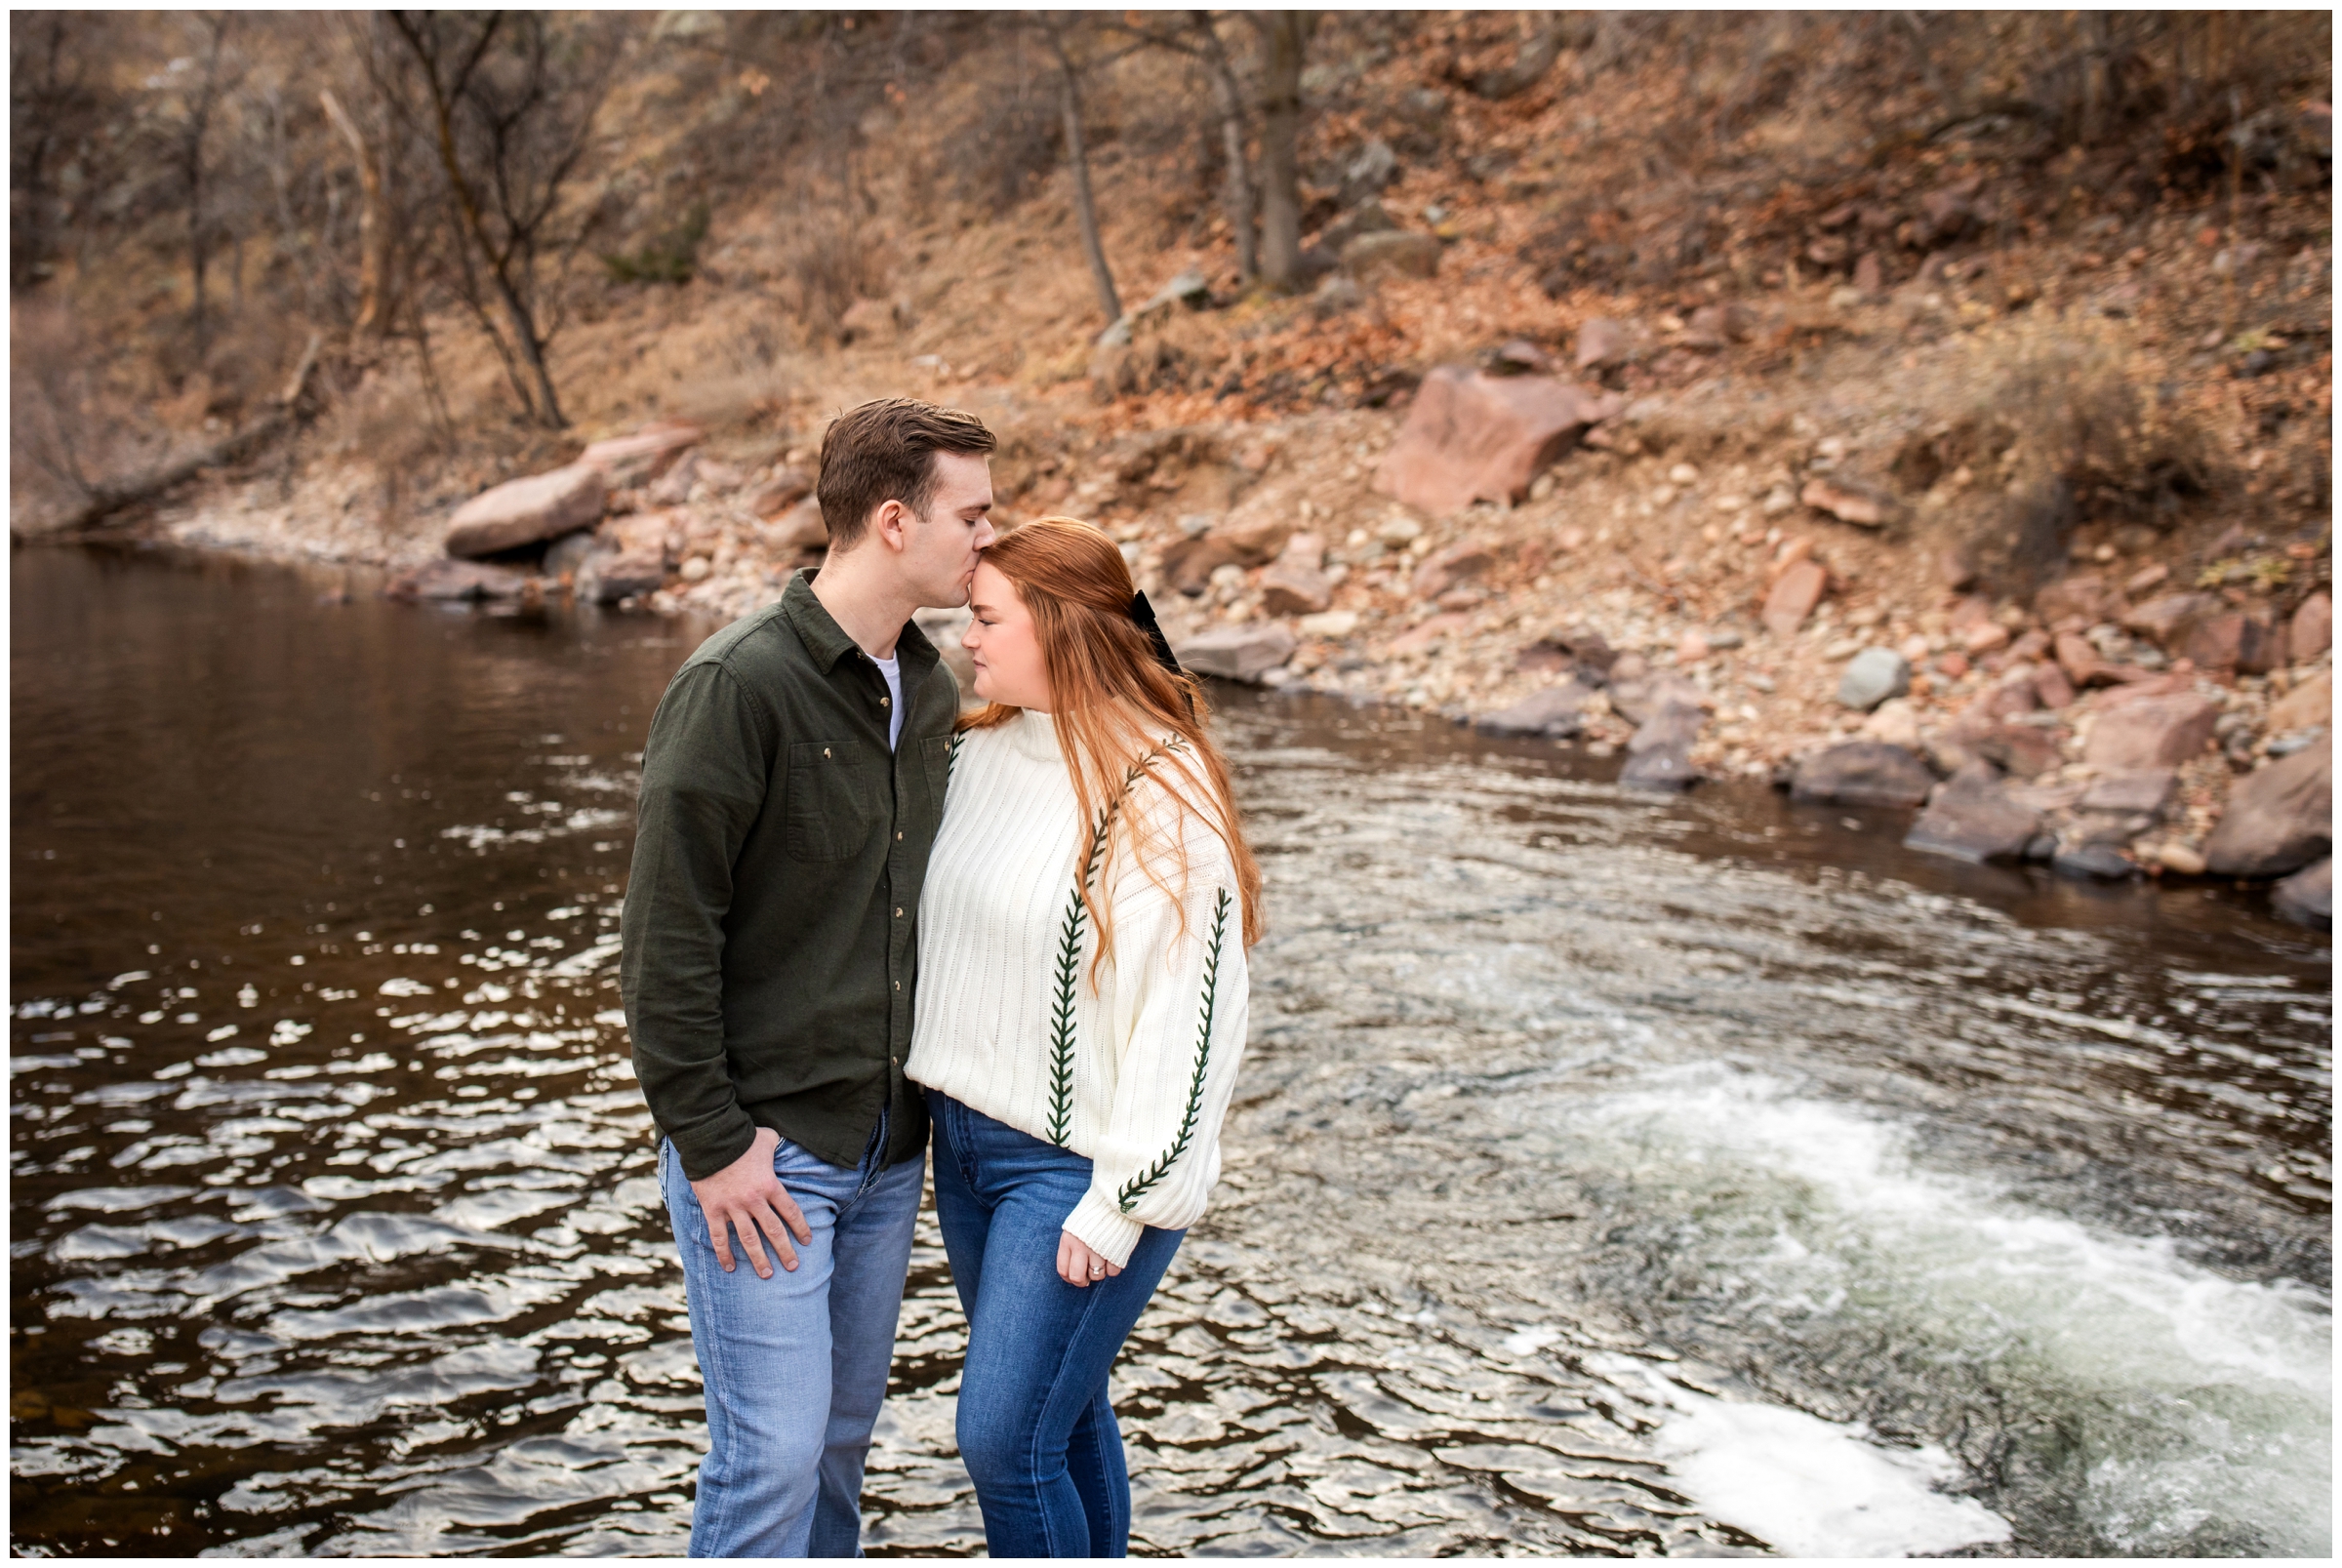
[{"x": 1035, "y": 1429}]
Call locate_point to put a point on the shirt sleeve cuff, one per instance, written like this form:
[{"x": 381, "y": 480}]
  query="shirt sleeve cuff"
[{"x": 1103, "y": 1228}]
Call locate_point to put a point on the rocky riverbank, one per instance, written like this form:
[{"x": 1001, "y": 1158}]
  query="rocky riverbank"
[{"x": 1541, "y": 557}]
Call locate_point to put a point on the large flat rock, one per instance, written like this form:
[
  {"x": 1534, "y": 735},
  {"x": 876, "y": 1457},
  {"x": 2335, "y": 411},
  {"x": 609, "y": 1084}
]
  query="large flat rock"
[
  {"x": 1971, "y": 817},
  {"x": 2279, "y": 819},
  {"x": 1472, "y": 437},
  {"x": 1242, "y": 653},
  {"x": 525, "y": 511},
  {"x": 1863, "y": 773}
]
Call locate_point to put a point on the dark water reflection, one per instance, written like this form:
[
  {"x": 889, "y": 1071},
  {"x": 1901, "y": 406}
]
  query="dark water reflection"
[{"x": 1590, "y": 1148}]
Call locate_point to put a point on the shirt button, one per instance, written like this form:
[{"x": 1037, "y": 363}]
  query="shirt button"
[
  {"x": 898, "y": 985},
  {"x": 886, "y": 701},
  {"x": 825, "y": 752},
  {"x": 898, "y": 838}
]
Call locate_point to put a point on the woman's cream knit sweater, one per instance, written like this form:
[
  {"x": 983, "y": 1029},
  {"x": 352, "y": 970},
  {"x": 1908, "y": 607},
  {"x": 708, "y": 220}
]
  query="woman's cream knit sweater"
[{"x": 1136, "y": 1076}]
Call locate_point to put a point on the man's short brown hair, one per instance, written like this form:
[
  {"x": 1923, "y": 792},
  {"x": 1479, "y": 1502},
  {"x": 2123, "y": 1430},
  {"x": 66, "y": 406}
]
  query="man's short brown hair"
[{"x": 885, "y": 450}]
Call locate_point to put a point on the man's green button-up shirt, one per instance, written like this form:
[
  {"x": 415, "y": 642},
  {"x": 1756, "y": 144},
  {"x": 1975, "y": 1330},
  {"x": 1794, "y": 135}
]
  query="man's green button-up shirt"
[{"x": 771, "y": 950}]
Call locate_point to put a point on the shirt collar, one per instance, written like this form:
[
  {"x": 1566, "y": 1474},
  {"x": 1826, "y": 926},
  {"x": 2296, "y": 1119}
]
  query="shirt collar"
[{"x": 827, "y": 641}]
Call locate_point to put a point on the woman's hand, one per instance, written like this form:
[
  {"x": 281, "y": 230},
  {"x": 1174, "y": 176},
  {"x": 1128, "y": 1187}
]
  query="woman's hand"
[{"x": 1078, "y": 1265}]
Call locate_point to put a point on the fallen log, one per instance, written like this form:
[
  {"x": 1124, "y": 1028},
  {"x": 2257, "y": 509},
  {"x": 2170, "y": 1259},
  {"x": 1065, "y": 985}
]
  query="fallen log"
[{"x": 104, "y": 501}]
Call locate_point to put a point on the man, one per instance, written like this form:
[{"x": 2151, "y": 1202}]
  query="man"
[{"x": 791, "y": 786}]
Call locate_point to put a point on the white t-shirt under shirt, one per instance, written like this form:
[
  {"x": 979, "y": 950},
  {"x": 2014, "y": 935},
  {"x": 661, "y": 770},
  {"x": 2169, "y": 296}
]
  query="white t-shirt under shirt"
[{"x": 892, "y": 669}]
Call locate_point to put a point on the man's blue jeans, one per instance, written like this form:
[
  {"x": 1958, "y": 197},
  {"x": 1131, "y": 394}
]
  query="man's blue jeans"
[
  {"x": 1035, "y": 1429},
  {"x": 796, "y": 1366}
]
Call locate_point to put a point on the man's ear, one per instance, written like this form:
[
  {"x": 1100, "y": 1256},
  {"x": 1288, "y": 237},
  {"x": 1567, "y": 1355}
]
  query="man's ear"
[{"x": 890, "y": 523}]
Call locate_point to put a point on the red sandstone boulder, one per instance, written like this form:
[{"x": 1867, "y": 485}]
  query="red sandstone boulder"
[
  {"x": 461, "y": 579},
  {"x": 1601, "y": 342},
  {"x": 1244, "y": 652},
  {"x": 1863, "y": 773},
  {"x": 1295, "y": 584},
  {"x": 1971, "y": 817},
  {"x": 1455, "y": 564},
  {"x": 2166, "y": 619},
  {"x": 2080, "y": 662},
  {"x": 1474, "y": 437},
  {"x": 525, "y": 511},
  {"x": 2152, "y": 732},
  {"x": 640, "y": 457},
  {"x": 2086, "y": 596},
  {"x": 2279, "y": 819}
]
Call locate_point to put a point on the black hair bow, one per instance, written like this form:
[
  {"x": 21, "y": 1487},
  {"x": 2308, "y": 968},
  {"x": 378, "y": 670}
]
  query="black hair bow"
[{"x": 1141, "y": 614}]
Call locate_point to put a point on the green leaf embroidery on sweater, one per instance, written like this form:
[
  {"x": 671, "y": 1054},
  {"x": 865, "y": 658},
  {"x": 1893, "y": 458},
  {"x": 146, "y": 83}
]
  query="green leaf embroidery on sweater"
[
  {"x": 1134, "y": 1189},
  {"x": 1069, "y": 958}
]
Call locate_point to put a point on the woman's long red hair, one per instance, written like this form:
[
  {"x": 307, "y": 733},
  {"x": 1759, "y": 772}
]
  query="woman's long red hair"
[{"x": 1114, "y": 706}]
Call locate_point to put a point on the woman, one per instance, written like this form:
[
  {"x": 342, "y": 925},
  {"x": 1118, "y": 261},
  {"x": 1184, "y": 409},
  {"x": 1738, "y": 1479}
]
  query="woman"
[{"x": 1082, "y": 1007}]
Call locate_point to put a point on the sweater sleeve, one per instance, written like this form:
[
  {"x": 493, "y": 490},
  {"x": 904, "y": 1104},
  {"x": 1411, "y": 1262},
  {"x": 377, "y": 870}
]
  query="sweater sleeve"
[
  {"x": 1178, "y": 1029},
  {"x": 704, "y": 772}
]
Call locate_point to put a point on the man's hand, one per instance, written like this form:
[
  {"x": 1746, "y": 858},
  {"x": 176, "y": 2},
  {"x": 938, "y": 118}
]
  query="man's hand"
[
  {"x": 747, "y": 1196},
  {"x": 1078, "y": 1265}
]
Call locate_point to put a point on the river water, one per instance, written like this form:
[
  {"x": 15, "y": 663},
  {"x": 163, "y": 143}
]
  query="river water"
[{"x": 1609, "y": 1174}]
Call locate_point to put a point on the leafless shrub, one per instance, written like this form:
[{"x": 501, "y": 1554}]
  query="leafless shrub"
[
  {"x": 830, "y": 261},
  {"x": 752, "y": 387},
  {"x": 2069, "y": 439}
]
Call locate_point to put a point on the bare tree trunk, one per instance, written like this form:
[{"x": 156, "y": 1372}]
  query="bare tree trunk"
[
  {"x": 1285, "y": 35},
  {"x": 374, "y": 231},
  {"x": 1236, "y": 191},
  {"x": 1085, "y": 202}
]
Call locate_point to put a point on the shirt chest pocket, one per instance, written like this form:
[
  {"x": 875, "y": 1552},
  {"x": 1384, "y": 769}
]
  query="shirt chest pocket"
[
  {"x": 936, "y": 751},
  {"x": 836, "y": 804}
]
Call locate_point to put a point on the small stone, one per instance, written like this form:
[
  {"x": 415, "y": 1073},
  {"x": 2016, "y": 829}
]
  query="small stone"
[
  {"x": 695, "y": 569},
  {"x": 1451, "y": 566},
  {"x": 1691, "y": 648},
  {"x": 1792, "y": 598},
  {"x": 1874, "y": 675},
  {"x": 2312, "y": 628},
  {"x": 2179, "y": 858},
  {"x": 2100, "y": 861},
  {"x": 1682, "y": 475},
  {"x": 2310, "y": 704},
  {"x": 1721, "y": 638},
  {"x": 1847, "y": 502},
  {"x": 1953, "y": 666},
  {"x": 1333, "y": 624},
  {"x": 2145, "y": 578},
  {"x": 1894, "y": 722},
  {"x": 1986, "y": 638},
  {"x": 1601, "y": 342}
]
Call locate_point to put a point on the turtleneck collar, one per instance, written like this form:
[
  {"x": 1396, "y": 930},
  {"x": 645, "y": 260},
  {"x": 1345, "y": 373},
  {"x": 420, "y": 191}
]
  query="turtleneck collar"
[{"x": 1035, "y": 734}]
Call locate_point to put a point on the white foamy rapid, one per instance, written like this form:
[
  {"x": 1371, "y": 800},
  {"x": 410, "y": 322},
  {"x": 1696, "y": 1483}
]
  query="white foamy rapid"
[
  {"x": 2196, "y": 1401},
  {"x": 1807, "y": 1487}
]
